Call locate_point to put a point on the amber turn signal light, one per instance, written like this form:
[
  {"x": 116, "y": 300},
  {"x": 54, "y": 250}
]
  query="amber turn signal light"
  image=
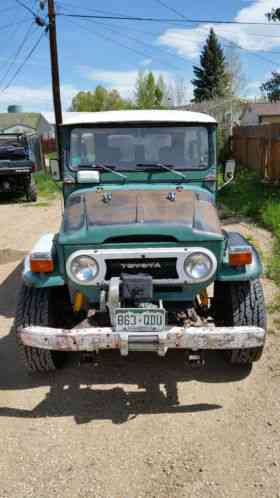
[
  {"x": 41, "y": 265},
  {"x": 240, "y": 258}
]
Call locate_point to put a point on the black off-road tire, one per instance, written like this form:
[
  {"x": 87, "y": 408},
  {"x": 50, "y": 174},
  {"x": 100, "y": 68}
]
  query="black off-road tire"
[
  {"x": 31, "y": 193},
  {"x": 35, "y": 308},
  {"x": 240, "y": 304}
]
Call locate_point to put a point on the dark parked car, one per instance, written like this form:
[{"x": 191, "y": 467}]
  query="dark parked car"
[{"x": 16, "y": 166}]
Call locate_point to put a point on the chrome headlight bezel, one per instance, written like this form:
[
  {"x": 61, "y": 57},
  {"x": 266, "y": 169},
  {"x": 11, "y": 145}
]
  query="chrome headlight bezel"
[
  {"x": 211, "y": 260},
  {"x": 74, "y": 259}
]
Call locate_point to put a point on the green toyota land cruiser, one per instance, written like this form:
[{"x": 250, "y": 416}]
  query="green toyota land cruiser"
[{"x": 141, "y": 262}]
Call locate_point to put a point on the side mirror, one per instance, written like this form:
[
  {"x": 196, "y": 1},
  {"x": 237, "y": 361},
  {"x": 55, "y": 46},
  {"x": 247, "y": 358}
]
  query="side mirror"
[
  {"x": 54, "y": 170},
  {"x": 229, "y": 170},
  {"x": 85, "y": 176}
]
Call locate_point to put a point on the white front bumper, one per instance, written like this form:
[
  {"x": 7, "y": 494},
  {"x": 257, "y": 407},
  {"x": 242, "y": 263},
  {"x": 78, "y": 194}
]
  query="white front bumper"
[{"x": 95, "y": 339}]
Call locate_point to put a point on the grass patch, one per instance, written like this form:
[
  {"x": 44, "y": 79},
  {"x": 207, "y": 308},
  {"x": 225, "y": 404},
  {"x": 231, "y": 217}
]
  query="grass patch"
[
  {"x": 273, "y": 264},
  {"x": 52, "y": 155},
  {"x": 274, "y": 307},
  {"x": 248, "y": 196},
  {"x": 47, "y": 187}
]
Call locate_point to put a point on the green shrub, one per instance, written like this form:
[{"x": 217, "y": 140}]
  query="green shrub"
[
  {"x": 223, "y": 146},
  {"x": 271, "y": 215},
  {"x": 248, "y": 196},
  {"x": 273, "y": 265},
  {"x": 46, "y": 186}
]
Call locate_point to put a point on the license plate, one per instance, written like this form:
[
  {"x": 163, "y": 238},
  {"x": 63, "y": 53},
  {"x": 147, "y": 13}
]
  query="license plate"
[{"x": 140, "y": 320}]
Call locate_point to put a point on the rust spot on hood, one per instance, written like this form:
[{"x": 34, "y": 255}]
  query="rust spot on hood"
[
  {"x": 126, "y": 207},
  {"x": 140, "y": 206}
]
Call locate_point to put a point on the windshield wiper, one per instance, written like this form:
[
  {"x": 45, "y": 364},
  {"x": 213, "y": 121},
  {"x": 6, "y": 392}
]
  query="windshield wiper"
[
  {"x": 167, "y": 167},
  {"x": 105, "y": 167}
]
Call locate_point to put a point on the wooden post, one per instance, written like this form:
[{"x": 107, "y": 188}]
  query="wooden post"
[{"x": 55, "y": 76}]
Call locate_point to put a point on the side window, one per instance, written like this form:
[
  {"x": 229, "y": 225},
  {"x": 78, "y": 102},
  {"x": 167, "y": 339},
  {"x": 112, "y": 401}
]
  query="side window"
[
  {"x": 82, "y": 148},
  {"x": 196, "y": 146},
  {"x": 87, "y": 148}
]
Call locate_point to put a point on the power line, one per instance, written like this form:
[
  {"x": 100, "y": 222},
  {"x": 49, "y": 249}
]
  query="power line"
[
  {"x": 251, "y": 52},
  {"x": 171, "y": 9},
  {"x": 163, "y": 4},
  {"x": 140, "y": 42},
  {"x": 183, "y": 20},
  {"x": 26, "y": 7},
  {"x": 90, "y": 9},
  {"x": 7, "y": 9},
  {"x": 18, "y": 52},
  {"x": 113, "y": 29},
  {"x": 150, "y": 33},
  {"x": 222, "y": 37},
  {"x": 261, "y": 35},
  {"x": 28, "y": 56},
  {"x": 112, "y": 40},
  {"x": 162, "y": 20},
  {"x": 11, "y": 24}
]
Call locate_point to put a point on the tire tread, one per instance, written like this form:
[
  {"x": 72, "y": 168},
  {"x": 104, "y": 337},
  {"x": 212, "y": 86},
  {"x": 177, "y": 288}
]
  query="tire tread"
[
  {"x": 33, "y": 309},
  {"x": 240, "y": 304}
]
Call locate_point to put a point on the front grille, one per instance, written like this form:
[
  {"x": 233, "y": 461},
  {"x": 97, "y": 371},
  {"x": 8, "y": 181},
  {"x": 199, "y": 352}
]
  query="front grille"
[{"x": 160, "y": 268}]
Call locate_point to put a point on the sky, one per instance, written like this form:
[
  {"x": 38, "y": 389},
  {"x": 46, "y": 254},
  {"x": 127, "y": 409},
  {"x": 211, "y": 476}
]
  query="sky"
[{"x": 111, "y": 52}]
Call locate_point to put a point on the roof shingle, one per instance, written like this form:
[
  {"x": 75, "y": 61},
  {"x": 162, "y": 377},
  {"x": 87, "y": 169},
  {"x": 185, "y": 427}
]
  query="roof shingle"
[
  {"x": 9, "y": 119},
  {"x": 266, "y": 109}
]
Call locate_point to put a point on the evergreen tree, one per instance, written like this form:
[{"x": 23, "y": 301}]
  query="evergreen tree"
[
  {"x": 274, "y": 15},
  {"x": 211, "y": 78}
]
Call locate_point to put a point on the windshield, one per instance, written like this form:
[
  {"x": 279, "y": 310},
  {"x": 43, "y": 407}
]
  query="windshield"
[{"x": 127, "y": 149}]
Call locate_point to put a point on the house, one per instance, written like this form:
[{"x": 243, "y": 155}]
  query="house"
[
  {"x": 25, "y": 122},
  {"x": 225, "y": 110},
  {"x": 260, "y": 114}
]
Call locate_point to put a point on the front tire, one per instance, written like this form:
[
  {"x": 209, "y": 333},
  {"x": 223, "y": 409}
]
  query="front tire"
[
  {"x": 35, "y": 307},
  {"x": 240, "y": 304}
]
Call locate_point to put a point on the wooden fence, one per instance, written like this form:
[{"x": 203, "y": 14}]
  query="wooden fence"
[
  {"x": 258, "y": 148},
  {"x": 49, "y": 145}
]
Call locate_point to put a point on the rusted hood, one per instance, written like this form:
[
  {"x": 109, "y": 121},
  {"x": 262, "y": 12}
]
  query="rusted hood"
[{"x": 127, "y": 207}]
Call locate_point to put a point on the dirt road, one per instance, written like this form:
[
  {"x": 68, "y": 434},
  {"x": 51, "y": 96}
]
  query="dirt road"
[{"x": 138, "y": 428}]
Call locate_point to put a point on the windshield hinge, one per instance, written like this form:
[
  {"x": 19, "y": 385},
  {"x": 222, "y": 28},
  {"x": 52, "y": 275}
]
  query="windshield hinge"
[{"x": 172, "y": 196}]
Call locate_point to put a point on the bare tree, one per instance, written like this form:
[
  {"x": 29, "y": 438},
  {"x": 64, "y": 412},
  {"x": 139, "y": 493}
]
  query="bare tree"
[
  {"x": 237, "y": 78},
  {"x": 178, "y": 92}
]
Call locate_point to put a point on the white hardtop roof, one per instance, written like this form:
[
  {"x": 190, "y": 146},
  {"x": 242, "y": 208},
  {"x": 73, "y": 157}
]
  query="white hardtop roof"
[{"x": 150, "y": 116}]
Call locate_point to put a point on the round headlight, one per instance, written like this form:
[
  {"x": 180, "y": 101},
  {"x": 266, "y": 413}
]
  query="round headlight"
[
  {"x": 199, "y": 266},
  {"x": 84, "y": 269}
]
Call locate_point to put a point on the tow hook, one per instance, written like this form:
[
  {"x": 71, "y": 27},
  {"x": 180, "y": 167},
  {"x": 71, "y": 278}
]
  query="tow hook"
[{"x": 196, "y": 359}]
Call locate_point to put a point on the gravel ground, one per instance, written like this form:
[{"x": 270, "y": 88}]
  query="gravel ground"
[{"x": 135, "y": 428}]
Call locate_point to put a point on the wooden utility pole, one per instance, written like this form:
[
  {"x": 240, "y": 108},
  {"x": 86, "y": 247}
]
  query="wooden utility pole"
[{"x": 55, "y": 72}]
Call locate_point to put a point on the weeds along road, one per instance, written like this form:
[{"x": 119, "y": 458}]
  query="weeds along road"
[{"x": 140, "y": 427}]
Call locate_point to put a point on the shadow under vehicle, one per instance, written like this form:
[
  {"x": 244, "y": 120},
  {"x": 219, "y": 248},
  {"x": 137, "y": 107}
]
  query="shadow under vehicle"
[{"x": 139, "y": 248}]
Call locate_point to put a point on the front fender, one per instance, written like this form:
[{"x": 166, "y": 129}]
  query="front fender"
[
  {"x": 41, "y": 280},
  {"x": 229, "y": 273},
  {"x": 45, "y": 247}
]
